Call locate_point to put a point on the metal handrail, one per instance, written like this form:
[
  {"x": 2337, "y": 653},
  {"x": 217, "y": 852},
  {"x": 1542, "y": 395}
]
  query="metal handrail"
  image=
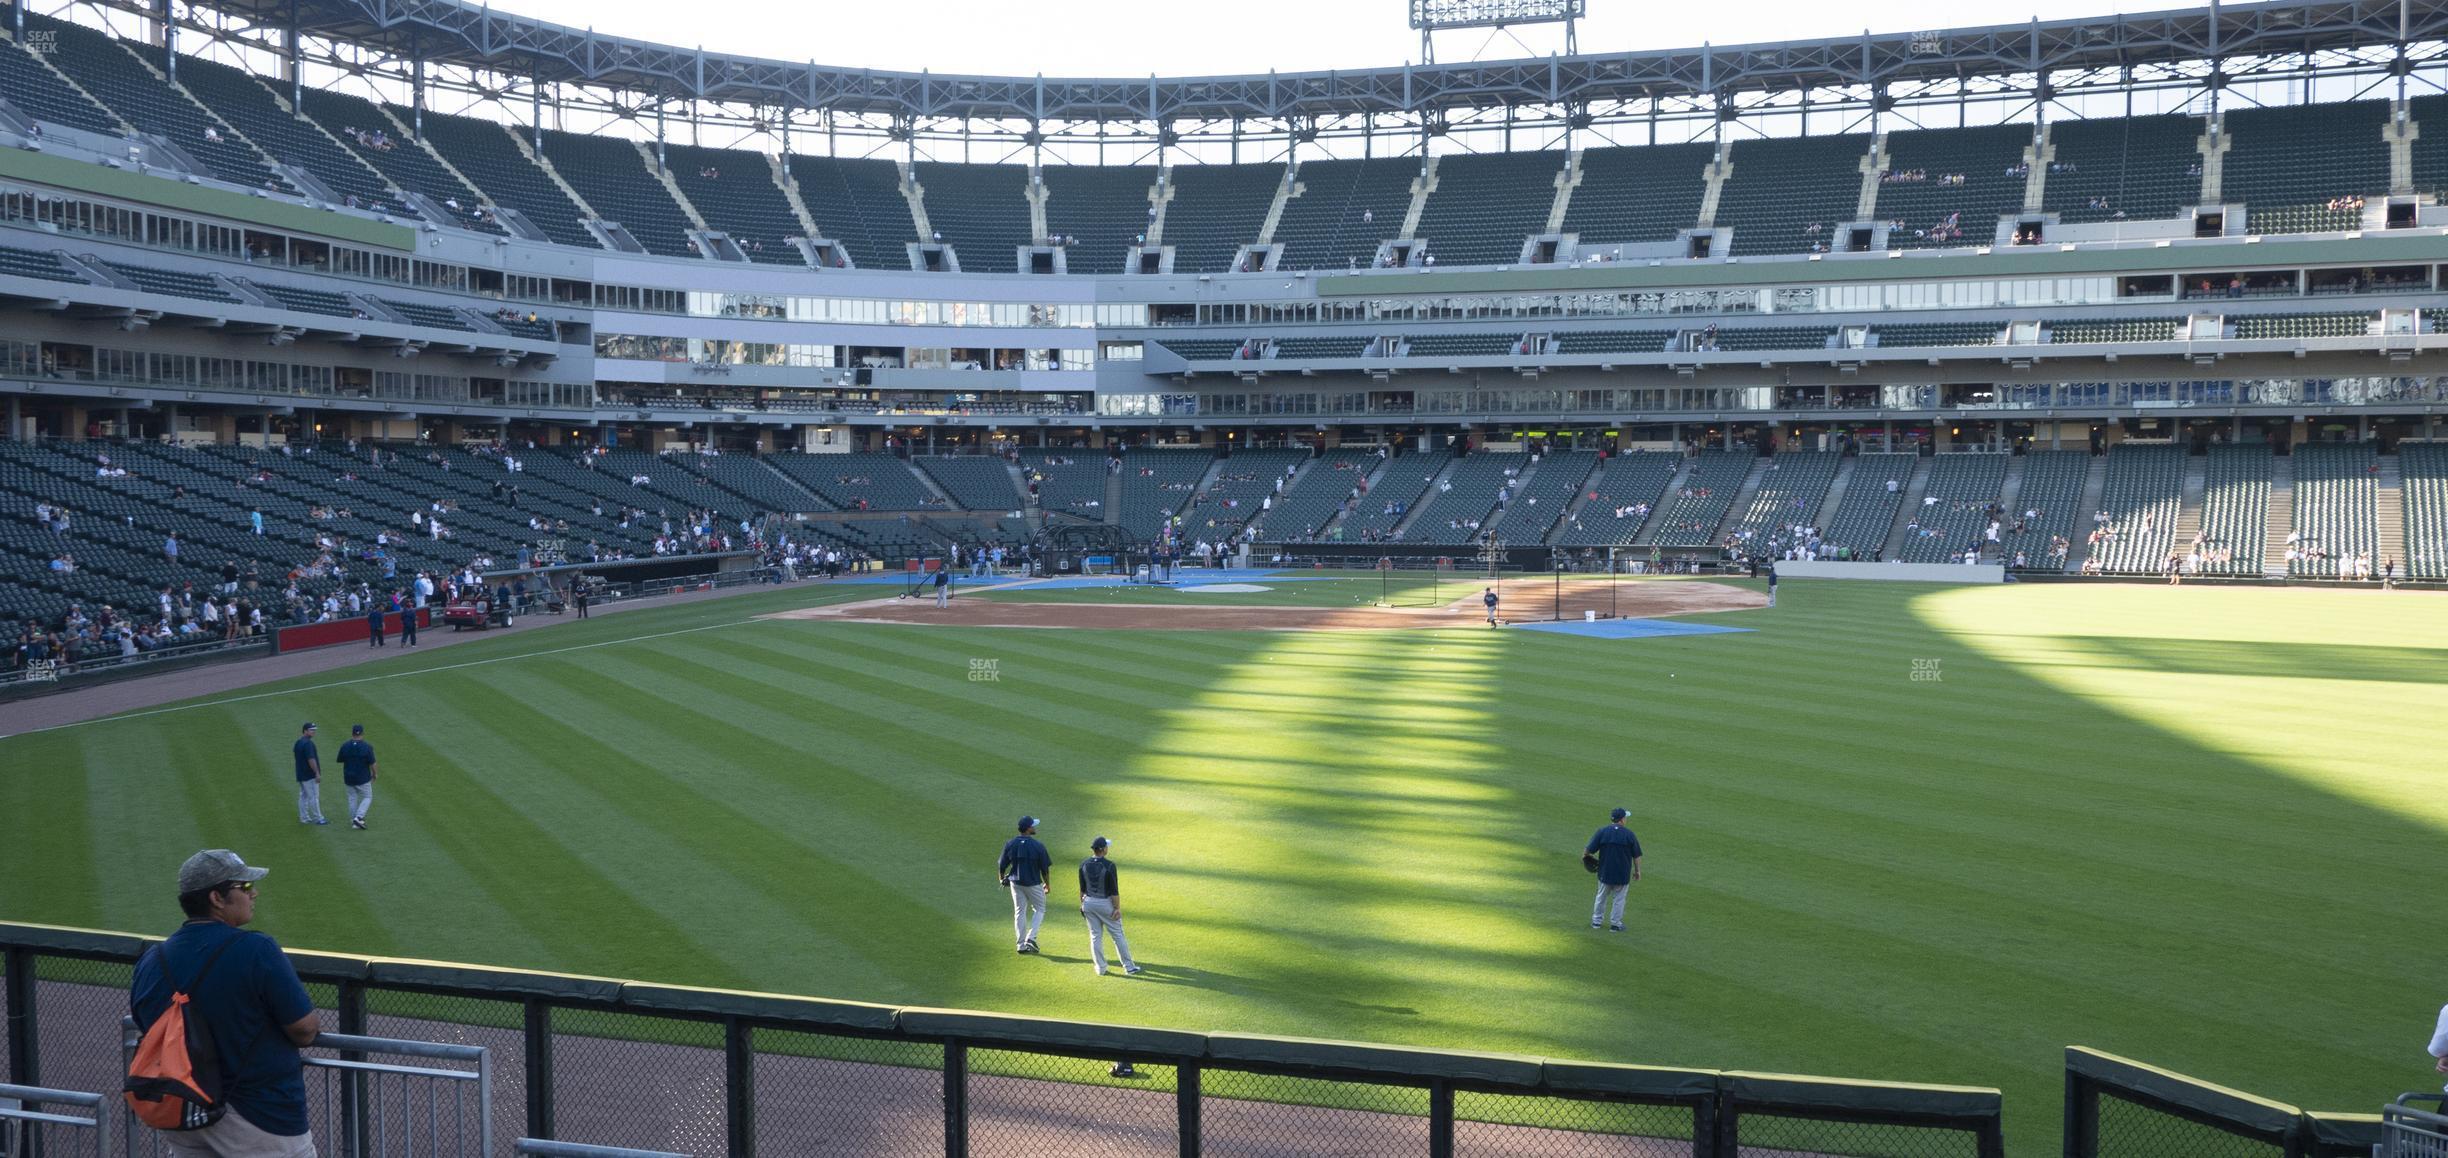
[
  {"x": 551, "y": 1149},
  {"x": 14, "y": 1099}
]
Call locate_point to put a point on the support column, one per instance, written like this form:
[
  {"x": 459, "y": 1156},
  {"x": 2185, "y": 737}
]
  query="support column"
[
  {"x": 297, "y": 78},
  {"x": 16, "y": 412},
  {"x": 169, "y": 34}
]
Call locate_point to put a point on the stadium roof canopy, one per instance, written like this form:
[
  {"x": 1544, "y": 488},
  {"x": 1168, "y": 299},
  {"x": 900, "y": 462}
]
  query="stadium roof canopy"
[{"x": 2211, "y": 46}]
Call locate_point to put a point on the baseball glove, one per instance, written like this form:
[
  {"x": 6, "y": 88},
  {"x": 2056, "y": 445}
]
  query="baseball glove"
[{"x": 1589, "y": 862}]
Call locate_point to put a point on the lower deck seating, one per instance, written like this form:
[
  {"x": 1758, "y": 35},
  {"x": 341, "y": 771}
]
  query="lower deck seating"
[
  {"x": 2235, "y": 511},
  {"x": 1872, "y": 497},
  {"x": 1247, "y": 486},
  {"x": 2049, "y": 506},
  {"x": 1401, "y": 487},
  {"x": 1619, "y": 498},
  {"x": 1068, "y": 482},
  {"x": 1556, "y": 480},
  {"x": 1790, "y": 492},
  {"x": 2144, "y": 492},
  {"x": 1958, "y": 505},
  {"x": 1460, "y": 506},
  {"x": 1695, "y": 509},
  {"x": 976, "y": 482},
  {"x": 862, "y": 481},
  {"x": 1317, "y": 494},
  {"x": 2425, "y": 467},
  {"x": 1158, "y": 481},
  {"x": 2336, "y": 508}
]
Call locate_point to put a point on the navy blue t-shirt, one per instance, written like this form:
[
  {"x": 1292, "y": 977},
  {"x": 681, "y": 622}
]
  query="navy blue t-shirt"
[
  {"x": 1616, "y": 848},
  {"x": 1025, "y": 861},
  {"x": 356, "y": 762},
  {"x": 304, "y": 750},
  {"x": 248, "y": 999}
]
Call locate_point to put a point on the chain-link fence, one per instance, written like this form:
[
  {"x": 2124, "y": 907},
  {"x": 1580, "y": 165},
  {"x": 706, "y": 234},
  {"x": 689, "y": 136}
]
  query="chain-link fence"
[
  {"x": 1488, "y": 1125},
  {"x": 2131, "y": 1129},
  {"x": 651, "y": 1082},
  {"x": 493, "y": 1026},
  {"x": 1026, "y": 1104},
  {"x": 827, "y": 1096},
  {"x": 1266, "y": 1115},
  {"x": 699, "y": 1072},
  {"x": 2120, "y": 1108}
]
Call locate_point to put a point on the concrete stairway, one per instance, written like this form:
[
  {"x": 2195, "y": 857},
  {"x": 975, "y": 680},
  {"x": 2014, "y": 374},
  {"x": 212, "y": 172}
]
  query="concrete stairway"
[
  {"x": 1426, "y": 498},
  {"x": 2390, "y": 542},
  {"x": 2279, "y": 519},
  {"x": 1915, "y": 489},
  {"x": 1504, "y": 510},
  {"x": 1834, "y": 499},
  {"x": 1743, "y": 497},
  {"x": 2095, "y": 484},
  {"x": 1325, "y": 531},
  {"x": 1649, "y": 526},
  {"x": 2010, "y": 491},
  {"x": 2189, "y": 502}
]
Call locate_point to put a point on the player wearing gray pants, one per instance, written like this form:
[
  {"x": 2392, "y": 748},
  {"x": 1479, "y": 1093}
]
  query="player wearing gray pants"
[
  {"x": 1023, "y": 868},
  {"x": 1101, "y": 903},
  {"x": 309, "y": 777}
]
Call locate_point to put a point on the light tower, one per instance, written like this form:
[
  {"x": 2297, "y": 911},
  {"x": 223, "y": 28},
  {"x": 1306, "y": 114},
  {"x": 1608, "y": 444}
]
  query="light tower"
[{"x": 1434, "y": 16}]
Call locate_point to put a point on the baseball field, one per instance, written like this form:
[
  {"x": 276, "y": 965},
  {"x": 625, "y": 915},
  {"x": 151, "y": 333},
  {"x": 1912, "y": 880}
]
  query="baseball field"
[{"x": 1893, "y": 831}]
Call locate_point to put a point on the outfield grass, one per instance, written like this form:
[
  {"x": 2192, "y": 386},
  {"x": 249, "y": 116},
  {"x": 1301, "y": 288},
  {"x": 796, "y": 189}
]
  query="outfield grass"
[{"x": 2195, "y": 826}]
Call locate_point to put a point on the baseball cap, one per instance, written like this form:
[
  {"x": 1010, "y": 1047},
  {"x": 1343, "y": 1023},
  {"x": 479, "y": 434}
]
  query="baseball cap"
[
  {"x": 213, "y": 866},
  {"x": 308, "y": 726},
  {"x": 1027, "y": 823},
  {"x": 1100, "y": 842},
  {"x": 356, "y": 729},
  {"x": 1618, "y": 814}
]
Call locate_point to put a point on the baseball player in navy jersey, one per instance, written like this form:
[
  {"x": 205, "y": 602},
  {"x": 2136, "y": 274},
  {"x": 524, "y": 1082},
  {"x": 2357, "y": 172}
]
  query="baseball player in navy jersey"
[
  {"x": 1100, "y": 886},
  {"x": 1023, "y": 869},
  {"x": 1619, "y": 857}
]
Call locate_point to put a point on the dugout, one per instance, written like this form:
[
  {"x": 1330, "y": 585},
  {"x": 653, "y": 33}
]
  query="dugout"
[{"x": 1072, "y": 548}]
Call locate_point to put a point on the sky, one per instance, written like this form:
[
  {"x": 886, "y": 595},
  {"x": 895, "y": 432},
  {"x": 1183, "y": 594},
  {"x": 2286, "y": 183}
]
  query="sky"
[{"x": 1133, "y": 38}]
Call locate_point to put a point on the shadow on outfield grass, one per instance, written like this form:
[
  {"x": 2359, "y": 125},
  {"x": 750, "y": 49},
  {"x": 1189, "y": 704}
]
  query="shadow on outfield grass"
[{"x": 2327, "y": 661}]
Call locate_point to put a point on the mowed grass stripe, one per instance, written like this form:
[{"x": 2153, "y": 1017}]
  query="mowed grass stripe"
[
  {"x": 654, "y": 814},
  {"x": 558, "y": 843},
  {"x": 2162, "y": 823}
]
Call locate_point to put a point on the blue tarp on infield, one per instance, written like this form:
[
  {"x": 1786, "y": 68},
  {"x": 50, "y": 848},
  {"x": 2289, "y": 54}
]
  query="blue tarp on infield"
[{"x": 1627, "y": 628}]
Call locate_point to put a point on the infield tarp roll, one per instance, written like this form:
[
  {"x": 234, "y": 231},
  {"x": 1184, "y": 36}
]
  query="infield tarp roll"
[
  {"x": 1046, "y": 1031},
  {"x": 1393, "y": 1061},
  {"x": 2248, "y": 1111},
  {"x": 813, "y": 1012},
  {"x": 1581, "y": 1077},
  {"x": 1904, "y": 1099}
]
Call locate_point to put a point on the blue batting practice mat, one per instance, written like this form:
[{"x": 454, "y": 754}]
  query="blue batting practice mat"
[{"x": 1626, "y": 628}]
